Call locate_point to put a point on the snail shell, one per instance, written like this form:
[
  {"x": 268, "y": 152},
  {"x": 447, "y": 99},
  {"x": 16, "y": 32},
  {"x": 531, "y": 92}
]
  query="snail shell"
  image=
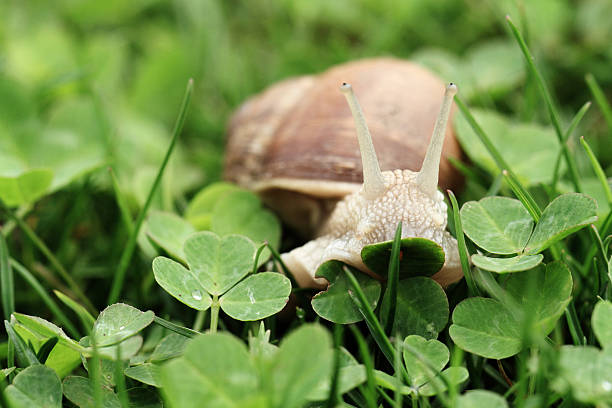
[{"x": 295, "y": 143}]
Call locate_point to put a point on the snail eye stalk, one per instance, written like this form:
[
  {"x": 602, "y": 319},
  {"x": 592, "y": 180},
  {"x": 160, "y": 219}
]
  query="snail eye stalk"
[
  {"x": 427, "y": 177},
  {"x": 373, "y": 181}
]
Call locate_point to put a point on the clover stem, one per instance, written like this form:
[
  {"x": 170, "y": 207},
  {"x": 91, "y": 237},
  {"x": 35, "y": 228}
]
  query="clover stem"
[
  {"x": 427, "y": 177},
  {"x": 373, "y": 181},
  {"x": 214, "y": 314}
]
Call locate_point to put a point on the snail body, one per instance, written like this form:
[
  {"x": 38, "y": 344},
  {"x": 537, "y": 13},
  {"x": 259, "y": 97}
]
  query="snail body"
[{"x": 295, "y": 146}]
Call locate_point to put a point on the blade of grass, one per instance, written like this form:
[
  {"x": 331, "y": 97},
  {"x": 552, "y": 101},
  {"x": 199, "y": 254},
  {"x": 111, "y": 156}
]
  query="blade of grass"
[
  {"x": 497, "y": 157},
  {"x": 601, "y": 176},
  {"x": 398, "y": 397},
  {"x": 603, "y": 231},
  {"x": 7, "y": 281},
  {"x": 456, "y": 360},
  {"x": 44, "y": 296},
  {"x": 333, "y": 399},
  {"x": 552, "y": 112},
  {"x": 603, "y": 253},
  {"x": 87, "y": 320},
  {"x": 390, "y": 295},
  {"x": 374, "y": 325},
  {"x": 487, "y": 282},
  {"x": 258, "y": 254},
  {"x": 3, "y": 350},
  {"x": 22, "y": 351},
  {"x": 597, "y": 283},
  {"x": 276, "y": 256},
  {"x": 126, "y": 217},
  {"x": 463, "y": 252},
  {"x": 387, "y": 398},
  {"x": 42, "y": 247},
  {"x": 46, "y": 349},
  {"x": 21, "y": 212},
  {"x": 369, "y": 391},
  {"x": 574, "y": 325},
  {"x": 431, "y": 374},
  {"x": 467, "y": 171},
  {"x": 601, "y": 278},
  {"x": 570, "y": 130},
  {"x": 600, "y": 98},
  {"x": 183, "y": 331},
  {"x": 524, "y": 197},
  {"x": 126, "y": 256},
  {"x": 10, "y": 357}
]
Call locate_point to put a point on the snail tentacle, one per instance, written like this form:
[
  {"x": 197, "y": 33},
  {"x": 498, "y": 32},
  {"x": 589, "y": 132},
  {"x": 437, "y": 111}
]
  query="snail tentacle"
[
  {"x": 373, "y": 181},
  {"x": 428, "y": 175}
]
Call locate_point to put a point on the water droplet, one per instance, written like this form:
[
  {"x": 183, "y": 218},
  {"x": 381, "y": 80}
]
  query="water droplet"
[
  {"x": 196, "y": 294},
  {"x": 251, "y": 297},
  {"x": 606, "y": 385}
]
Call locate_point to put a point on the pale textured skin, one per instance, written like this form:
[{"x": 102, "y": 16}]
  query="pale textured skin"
[{"x": 357, "y": 222}]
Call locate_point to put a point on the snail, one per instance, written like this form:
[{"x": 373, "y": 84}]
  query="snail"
[{"x": 295, "y": 145}]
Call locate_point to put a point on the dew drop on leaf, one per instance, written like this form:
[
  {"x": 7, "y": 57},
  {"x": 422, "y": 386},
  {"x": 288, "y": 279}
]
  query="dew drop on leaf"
[
  {"x": 196, "y": 294},
  {"x": 251, "y": 297}
]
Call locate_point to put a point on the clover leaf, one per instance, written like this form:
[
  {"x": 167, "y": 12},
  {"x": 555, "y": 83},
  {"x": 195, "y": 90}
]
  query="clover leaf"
[
  {"x": 481, "y": 398},
  {"x": 602, "y": 323},
  {"x": 587, "y": 372},
  {"x": 422, "y": 308},
  {"x": 506, "y": 265},
  {"x": 501, "y": 225},
  {"x": 564, "y": 215},
  {"x": 26, "y": 187},
  {"x": 492, "y": 329},
  {"x": 118, "y": 322},
  {"x": 418, "y": 257},
  {"x": 486, "y": 327},
  {"x": 424, "y": 361},
  {"x": 532, "y": 149},
  {"x": 37, "y": 386},
  {"x": 258, "y": 296},
  {"x": 335, "y": 303},
  {"x": 218, "y": 263},
  {"x": 169, "y": 231},
  {"x": 218, "y": 368},
  {"x": 423, "y": 358},
  {"x": 200, "y": 208},
  {"x": 218, "y": 267}
]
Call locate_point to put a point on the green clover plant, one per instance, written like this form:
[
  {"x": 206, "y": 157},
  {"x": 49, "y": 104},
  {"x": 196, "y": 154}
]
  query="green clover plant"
[
  {"x": 586, "y": 371},
  {"x": 217, "y": 278},
  {"x": 222, "y": 371},
  {"x": 221, "y": 208},
  {"x": 421, "y": 306},
  {"x": 424, "y": 361},
  {"x": 502, "y": 226}
]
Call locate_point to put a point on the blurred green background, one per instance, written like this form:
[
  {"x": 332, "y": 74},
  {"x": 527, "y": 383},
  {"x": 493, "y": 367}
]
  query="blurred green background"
[{"x": 88, "y": 84}]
